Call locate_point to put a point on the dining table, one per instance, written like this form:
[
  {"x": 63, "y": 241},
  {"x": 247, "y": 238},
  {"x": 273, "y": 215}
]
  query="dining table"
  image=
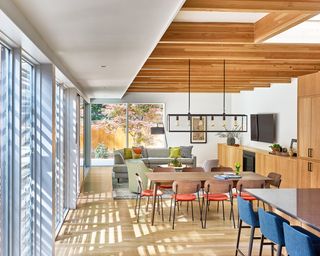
[
  {"x": 164, "y": 177},
  {"x": 302, "y": 204}
]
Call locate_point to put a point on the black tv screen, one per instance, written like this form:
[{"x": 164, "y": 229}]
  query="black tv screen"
[{"x": 263, "y": 127}]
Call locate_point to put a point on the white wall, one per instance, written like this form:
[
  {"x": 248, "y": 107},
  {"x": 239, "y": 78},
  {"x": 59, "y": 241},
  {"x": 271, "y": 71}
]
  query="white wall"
[
  {"x": 280, "y": 99},
  {"x": 178, "y": 103}
]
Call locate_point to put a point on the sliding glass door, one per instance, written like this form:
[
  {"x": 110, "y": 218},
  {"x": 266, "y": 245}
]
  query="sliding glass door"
[
  {"x": 27, "y": 158},
  {"x": 4, "y": 86}
]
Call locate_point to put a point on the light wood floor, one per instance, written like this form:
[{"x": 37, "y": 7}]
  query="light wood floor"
[{"x": 103, "y": 226}]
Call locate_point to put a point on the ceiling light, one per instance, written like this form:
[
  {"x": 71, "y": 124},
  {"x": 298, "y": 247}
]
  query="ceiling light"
[{"x": 223, "y": 122}]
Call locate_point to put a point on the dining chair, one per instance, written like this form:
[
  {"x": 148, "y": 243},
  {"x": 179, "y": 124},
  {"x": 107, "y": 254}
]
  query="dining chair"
[
  {"x": 208, "y": 164},
  {"x": 217, "y": 191},
  {"x": 300, "y": 242},
  {"x": 165, "y": 185},
  {"x": 250, "y": 217},
  {"x": 146, "y": 193},
  {"x": 276, "y": 179},
  {"x": 243, "y": 184},
  {"x": 221, "y": 169},
  {"x": 271, "y": 227},
  {"x": 185, "y": 191},
  {"x": 192, "y": 169}
]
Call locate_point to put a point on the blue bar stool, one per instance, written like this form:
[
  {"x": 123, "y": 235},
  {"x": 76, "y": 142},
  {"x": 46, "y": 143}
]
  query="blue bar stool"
[
  {"x": 300, "y": 242},
  {"x": 250, "y": 217},
  {"x": 271, "y": 227}
]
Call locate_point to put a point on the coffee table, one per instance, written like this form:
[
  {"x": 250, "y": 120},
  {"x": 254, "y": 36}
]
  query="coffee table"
[{"x": 176, "y": 168}]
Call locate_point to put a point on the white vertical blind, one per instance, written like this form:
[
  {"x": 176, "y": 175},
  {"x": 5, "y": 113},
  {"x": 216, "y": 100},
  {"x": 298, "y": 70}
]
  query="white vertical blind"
[
  {"x": 27, "y": 145},
  {"x": 60, "y": 163},
  {"x": 4, "y": 75}
]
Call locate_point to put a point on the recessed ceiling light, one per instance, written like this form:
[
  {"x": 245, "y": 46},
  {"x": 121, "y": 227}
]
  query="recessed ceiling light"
[{"x": 103, "y": 66}]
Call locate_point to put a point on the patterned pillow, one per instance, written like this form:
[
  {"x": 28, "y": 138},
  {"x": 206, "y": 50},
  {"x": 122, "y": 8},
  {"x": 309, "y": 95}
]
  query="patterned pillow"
[{"x": 186, "y": 151}]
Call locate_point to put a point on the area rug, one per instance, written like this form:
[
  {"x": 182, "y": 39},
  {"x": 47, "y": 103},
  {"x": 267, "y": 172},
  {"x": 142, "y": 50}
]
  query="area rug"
[{"x": 121, "y": 191}]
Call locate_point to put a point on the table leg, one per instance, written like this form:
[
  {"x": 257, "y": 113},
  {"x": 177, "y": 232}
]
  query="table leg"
[{"x": 155, "y": 189}]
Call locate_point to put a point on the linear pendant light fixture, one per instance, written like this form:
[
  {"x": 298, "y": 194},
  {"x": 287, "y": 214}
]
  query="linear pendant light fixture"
[{"x": 214, "y": 122}]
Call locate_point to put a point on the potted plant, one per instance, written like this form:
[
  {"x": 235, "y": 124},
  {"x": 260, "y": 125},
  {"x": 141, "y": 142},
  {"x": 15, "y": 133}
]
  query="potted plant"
[
  {"x": 230, "y": 135},
  {"x": 237, "y": 165},
  {"x": 176, "y": 163},
  {"x": 275, "y": 148}
]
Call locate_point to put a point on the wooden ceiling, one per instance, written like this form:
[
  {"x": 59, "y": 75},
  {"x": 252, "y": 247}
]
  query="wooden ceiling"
[{"x": 250, "y": 63}]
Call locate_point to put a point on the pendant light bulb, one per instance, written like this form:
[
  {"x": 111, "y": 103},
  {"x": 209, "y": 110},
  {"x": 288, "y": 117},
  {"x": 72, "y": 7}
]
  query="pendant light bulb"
[
  {"x": 200, "y": 121},
  {"x": 224, "y": 122},
  {"x": 235, "y": 123},
  {"x": 212, "y": 121},
  {"x": 177, "y": 121}
]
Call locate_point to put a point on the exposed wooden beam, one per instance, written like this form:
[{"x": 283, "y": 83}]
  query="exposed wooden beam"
[
  {"x": 301, "y": 52},
  {"x": 252, "y": 5},
  {"x": 275, "y": 23},
  {"x": 201, "y": 32}
]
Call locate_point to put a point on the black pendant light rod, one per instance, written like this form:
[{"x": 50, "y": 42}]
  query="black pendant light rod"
[
  {"x": 224, "y": 87},
  {"x": 189, "y": 90}
]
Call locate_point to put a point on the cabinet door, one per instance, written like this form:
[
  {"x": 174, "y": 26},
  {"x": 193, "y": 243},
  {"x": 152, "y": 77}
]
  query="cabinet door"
[
  {"x": 304, "y": 126},
  {"x": 315, "y": 128},
  {"x": 304, "y": 177},
  {"x": 288, "y": 168}
]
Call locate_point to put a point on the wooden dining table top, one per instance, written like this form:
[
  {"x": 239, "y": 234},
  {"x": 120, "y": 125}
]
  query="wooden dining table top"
[{"x": 199, "y": 176}]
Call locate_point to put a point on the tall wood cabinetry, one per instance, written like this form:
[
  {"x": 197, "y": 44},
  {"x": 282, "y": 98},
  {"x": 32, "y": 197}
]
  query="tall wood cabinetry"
[{"x": 309, "y": 130}]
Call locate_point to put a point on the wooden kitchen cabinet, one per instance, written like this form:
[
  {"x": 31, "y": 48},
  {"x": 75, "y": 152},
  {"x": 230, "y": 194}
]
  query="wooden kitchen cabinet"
[
  {"x": 304, "y": 126},
  {"x": 309, "y": 174}
]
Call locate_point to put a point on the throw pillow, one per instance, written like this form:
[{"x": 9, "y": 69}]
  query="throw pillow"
[
  {"x": 175, "y": 152},
  {"x": 186, "y": 151},
  {"x": 127, "y": 153},
  {"x": 136, "y": 152}
]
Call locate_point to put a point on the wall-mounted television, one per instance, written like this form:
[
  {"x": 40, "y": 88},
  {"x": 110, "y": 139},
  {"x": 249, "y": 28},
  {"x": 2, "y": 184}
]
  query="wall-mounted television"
[{"x": 263, "y": 127}]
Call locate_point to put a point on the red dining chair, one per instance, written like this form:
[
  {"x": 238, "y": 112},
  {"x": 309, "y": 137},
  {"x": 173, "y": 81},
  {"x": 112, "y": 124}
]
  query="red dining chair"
[
  {"x": 146, "y": 193},
  {"x": 184, "y": 191},
  {"x": 164, "y": 185},
  {"x": 217, "y": 191}
]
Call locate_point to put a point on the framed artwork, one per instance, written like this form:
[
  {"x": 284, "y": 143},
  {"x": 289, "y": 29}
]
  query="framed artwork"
[{"x": 200, "y": 126}]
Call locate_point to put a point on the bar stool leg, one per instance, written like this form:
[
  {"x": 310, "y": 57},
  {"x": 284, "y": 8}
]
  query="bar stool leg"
[
  {"x": 251, "y": 241},
  {"x": 139, "y": 208},
  {"x": 279, "y": 250},
  {"x": 162, "y": 208},
  {"x": 205, "y": 215},
  {"x": 238, "y": 238},
  {"x": 261, "y": 245},
  {"x": 147, "y": 206},
  {"x": 272, "y": 250}
]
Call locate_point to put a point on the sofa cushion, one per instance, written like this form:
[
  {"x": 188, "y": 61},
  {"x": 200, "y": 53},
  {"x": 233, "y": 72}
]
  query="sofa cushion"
[
  {"x": 175, "y": 152},
  {"x": 186, "y": 151},
  {"x": 120, "y": 168},
  {"x": 159, "y": 160},
  {"x": 127, "y": 153},
  {"x": 158, "y": 152},
  {"x": 186, "y": 160}
]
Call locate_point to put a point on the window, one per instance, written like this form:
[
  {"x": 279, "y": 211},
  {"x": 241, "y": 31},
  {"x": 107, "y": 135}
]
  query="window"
[
  {"x": 27, "y": 158},
  {"x": 109, "y": 128},
  {"x": 4, "y": 82},
  {"x": 60, "y": 163},
  {"x": 141, "y": 118},
  {"x": 81, "y": 169}
]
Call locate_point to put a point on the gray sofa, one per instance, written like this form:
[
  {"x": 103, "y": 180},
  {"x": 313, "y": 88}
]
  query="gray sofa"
[{"x": 152, "y": 157}]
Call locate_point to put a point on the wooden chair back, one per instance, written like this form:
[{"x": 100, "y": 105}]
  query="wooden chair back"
[
  {"x": 186, "y": 187},
  {"x": 221, "y": 169},
  {"x": 276, "y": 179},
  {"x": 242, "y": 184},
  {"x": 192, "y": 169},
  {"x": 214, "y": 186}
]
